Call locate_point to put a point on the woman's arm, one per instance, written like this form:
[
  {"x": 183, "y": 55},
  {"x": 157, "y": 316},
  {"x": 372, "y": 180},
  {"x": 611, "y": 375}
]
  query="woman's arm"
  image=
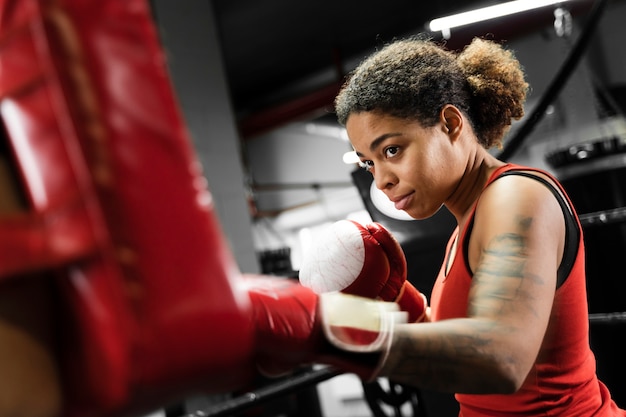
[{"x": 514, "y": 251}]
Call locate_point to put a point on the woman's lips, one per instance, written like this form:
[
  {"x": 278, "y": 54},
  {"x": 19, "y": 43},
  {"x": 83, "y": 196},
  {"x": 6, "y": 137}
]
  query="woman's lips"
[{"x": 403, "y": 202}]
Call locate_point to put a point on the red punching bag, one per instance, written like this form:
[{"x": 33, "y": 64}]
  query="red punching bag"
[{"x": 119, "y": 208}]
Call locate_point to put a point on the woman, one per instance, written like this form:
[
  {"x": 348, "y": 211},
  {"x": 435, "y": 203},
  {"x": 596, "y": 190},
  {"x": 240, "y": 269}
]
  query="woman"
[{"x": 509, "y": 328}]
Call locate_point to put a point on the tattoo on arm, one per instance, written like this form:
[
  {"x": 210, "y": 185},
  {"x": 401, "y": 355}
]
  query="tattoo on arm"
[
  {"x": 455, "y": 359},
  {"x": 502, "y": 271}
]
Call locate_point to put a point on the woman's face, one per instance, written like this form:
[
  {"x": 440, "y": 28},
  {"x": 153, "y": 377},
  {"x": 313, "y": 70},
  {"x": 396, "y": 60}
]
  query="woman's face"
[{"x": 411, "y": 164}]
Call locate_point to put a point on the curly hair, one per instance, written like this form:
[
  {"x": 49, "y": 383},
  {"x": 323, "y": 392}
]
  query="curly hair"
[{"x": 415, "y": 78}]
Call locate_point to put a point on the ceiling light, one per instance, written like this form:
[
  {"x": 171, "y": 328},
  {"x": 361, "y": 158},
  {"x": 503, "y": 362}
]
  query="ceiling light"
[
  {"x": 321, "y": 129},
  {"x": 444, "y": 24}
]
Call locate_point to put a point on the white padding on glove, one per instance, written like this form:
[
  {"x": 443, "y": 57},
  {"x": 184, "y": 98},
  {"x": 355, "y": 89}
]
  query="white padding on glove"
[
  {"x": 338, "y": 257},
  {"x": 358, "y": 324}
]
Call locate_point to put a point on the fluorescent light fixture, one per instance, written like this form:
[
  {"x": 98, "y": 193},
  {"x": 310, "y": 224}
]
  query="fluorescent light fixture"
[
  {"x": 320, "y": 129},
  {"x": 444, "y": 24}
]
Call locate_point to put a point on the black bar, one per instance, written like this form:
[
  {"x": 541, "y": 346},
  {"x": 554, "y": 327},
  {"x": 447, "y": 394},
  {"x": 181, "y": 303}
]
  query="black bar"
[
  {"x": 297, "y": 382},
  {"x": 607, "y": 318},
  {"x": 603, "y": 217},
  {"x": 262, "y": 395}
]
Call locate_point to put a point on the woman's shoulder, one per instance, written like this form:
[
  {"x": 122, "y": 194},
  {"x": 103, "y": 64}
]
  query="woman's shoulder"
[{"x": 517, "y": 196}]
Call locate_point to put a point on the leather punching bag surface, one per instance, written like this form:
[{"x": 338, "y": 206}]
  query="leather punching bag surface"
[{"x": 118, "y": 207}]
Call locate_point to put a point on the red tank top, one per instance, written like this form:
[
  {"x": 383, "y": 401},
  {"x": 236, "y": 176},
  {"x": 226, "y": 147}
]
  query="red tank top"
[{"x": 563, "y": 379}]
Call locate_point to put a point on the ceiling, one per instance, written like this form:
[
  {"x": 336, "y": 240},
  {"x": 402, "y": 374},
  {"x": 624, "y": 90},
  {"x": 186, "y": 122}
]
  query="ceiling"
[{"x": 284, "y": 59}]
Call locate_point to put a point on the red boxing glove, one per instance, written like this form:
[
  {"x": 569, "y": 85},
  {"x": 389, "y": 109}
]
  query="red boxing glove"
[
  {"x": 362, "y": 260},
  {"x": 294, "y": 326}
]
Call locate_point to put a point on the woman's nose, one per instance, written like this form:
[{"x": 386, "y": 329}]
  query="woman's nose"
[{"x": 384, "y": 179}]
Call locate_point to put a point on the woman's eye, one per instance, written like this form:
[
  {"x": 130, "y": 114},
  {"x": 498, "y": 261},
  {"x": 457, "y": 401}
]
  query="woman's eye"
[
  {"x": 391, "y": 151},
  {"x": 366, "y": 165}
]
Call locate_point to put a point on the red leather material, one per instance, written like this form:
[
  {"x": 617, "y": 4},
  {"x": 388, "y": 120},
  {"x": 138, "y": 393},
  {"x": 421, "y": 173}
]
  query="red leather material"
[
  {"x": 397, "y": 288},
  {"x": 376, "y": 269},
  {"x": 51, "y": 186},
  {"x": 413, "y": 302},
  {"x": 289, "y": 328},
  {"x": 383, "y": 250},
  {"x": 384, "y": 244},
  {"x": 286, "y": 319},
  {"x": 362, "y": 260},
  {"x": 118, "y": 205}
]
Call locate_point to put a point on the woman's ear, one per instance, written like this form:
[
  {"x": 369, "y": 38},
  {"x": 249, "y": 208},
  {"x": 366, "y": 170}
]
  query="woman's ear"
[{"x": 451, "y": 121}]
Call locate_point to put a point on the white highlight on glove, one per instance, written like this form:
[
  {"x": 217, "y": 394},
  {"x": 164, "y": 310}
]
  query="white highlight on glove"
[{"x": 338, "y": 256}]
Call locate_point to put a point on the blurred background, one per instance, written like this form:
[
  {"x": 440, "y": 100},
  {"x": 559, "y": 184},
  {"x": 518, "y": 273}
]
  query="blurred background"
[{"x": 256, "y": 81}]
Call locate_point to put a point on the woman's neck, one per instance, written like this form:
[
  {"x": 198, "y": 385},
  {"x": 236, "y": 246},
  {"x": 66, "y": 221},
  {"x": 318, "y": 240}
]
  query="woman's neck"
[{"x": 478, "y": 170}]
